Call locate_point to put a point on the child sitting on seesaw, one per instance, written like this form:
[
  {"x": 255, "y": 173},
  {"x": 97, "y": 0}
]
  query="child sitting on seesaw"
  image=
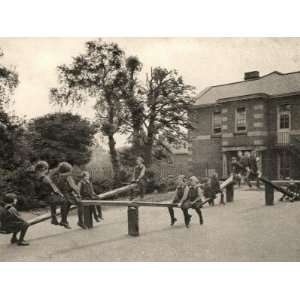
[
  {"x": 292, "y": 188},
  {"x": 186, "y": 197},
  {"x": 138, "y": 177},
  {"x": 11, "y": 220}
]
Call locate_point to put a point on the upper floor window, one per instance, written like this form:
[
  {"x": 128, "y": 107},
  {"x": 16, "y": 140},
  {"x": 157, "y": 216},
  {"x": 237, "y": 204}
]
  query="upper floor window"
[
  {"x": 240, "y": 119},
  {"x": 284, "y": 116},
  {"x": 217, "y": 122}
]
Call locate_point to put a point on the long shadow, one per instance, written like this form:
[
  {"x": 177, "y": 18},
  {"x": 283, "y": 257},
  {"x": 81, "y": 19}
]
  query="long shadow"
[
  {"x": 115, "y": 239},
  {"x": 263, "y": 206},
  {"x": 74, "y": 230}
]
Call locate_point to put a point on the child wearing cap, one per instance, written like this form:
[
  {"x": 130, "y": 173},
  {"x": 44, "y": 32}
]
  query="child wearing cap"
[{"x": 11, "y": 220}]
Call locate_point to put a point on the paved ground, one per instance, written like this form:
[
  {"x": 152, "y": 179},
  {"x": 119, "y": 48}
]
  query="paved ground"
[{"x": 245, "y": 230}]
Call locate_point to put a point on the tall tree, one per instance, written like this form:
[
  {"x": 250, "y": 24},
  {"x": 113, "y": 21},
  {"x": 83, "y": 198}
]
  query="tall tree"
[
  {"x": 134, "y": 100},
  {"x": 99, "y": 74},
  {"x": 61, "y": 137}
]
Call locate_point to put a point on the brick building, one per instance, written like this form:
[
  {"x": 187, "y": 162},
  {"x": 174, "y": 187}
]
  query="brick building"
[{"x": 258, "y": 113}]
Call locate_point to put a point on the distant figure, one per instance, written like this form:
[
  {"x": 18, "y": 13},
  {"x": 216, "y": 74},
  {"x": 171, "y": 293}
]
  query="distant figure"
[
  {"x": 181, "y": 194},
  {"x": 47, "y": 191},
  {"x": 138, "y": 177},
  {"x": 194, "y": 200},
  {"x": 87, "y": 192},
  {"x": 11, "y": 220},
  {"x": 245, "y": 167},
  {"x": 69, "y": 189},
  {"x": 236, "y": 170},
  {"x": 253, "y": 159}
]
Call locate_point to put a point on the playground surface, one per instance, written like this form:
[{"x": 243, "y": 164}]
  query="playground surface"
[{"x": 244, "y": 230}]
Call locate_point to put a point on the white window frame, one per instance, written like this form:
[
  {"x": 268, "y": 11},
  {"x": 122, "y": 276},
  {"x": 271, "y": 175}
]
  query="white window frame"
[
  {"x": 236, "y": 119},
  {"x": 213, "y": 122}
]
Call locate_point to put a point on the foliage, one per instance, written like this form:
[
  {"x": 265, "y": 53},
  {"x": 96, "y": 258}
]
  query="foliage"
[
  {"x": 98, "y": 74},
  {"x": 9, "y": 80},
  {"x": 62, "y": 137}
]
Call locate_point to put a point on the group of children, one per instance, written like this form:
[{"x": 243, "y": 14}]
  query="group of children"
[
  {"x": 245, "y": 166},
  {"x": 58, "y": 188},
  {"x": 190, "y": 193},
  {"x": 55, "y": 187}
]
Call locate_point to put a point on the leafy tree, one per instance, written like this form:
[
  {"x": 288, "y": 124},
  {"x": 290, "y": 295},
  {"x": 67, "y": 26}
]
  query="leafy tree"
[
  {"x": 99, "y": 74},
  {"x": 165, "y": 100},
  {"x": 134, "y": 101},
  {"x": 9, "y": 80},
  {"x": 61, "y": 137}
]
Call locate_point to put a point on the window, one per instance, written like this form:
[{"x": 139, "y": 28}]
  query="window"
[
  {"x": 240, "y": 119},
  {"x": 284, "y": 116},
  {"x": 217, "y": 122}
]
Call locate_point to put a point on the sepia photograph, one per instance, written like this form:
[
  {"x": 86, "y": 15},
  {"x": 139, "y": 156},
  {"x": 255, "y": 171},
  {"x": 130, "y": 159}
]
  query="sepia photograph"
[{"x": 149, "y": 149}]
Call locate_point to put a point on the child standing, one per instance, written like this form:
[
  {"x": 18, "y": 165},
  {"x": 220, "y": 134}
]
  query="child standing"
[
  {"x": 11, "y": 221},
  {"x": 87, "y": 192}
]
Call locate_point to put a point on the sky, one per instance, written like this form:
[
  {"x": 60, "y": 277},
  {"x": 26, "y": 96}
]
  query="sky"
[{"x": 201, "y": 61}]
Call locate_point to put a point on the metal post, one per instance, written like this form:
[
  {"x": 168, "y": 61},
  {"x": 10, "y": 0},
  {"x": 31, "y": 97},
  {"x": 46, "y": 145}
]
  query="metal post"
[
  {"x": 133, "y": 221},
  {"x": 269, "y": 194},
  {"x": 229, "y": 193}
]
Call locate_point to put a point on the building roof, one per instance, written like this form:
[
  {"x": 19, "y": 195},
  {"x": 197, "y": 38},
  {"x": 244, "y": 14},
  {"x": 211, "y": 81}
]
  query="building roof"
[{"x": 272, "y": 84}]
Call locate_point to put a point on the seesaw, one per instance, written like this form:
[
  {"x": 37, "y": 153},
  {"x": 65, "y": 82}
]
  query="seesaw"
[
  {"x": 270, "y": 186},
  {"x": 105, "y": 195},
  {"x": 132, "y": 208}
]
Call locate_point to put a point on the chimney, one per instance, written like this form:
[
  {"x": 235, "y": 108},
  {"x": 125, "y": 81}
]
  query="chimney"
[{"x": 251, "y": 75}]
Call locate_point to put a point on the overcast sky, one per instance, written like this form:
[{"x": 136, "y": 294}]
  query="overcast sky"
[{"x": 201, "y": 61}]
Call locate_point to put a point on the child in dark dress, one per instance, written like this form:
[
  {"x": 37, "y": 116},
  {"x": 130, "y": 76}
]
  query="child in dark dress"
[
  {"x": 87, "y": 193},
  {"x": 11, "y": 220}
]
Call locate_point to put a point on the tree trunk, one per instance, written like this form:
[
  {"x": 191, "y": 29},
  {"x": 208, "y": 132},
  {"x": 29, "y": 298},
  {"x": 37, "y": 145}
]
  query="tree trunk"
[
  {"x": 149, "y": 144},
  {"x": 148, "y": 154},
  {"x": 114, "y": 160}
]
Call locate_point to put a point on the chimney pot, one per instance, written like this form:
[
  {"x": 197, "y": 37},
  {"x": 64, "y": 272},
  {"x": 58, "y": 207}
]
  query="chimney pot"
[{"x": 251, "y": 75}]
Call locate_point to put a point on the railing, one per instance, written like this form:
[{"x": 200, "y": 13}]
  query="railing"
[{"x": 283, "y": 138}]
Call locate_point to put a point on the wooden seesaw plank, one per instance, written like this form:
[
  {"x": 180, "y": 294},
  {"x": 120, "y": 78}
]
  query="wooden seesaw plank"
[
  {"x": 107, "y": 203},
  {"x": 227, "y": 182},
  {"x": 132, "y": 203},
  {"x": 117, "y": 191},
  {"x": 276, "y": 187}
]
